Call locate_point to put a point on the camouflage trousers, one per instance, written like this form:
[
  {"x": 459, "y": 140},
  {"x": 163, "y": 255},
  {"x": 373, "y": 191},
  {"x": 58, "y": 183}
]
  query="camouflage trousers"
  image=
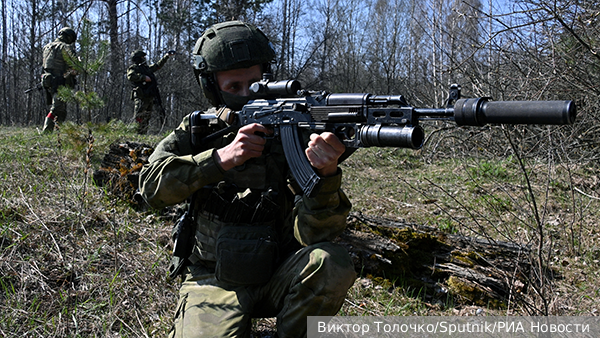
[
  {"x": 58, "y": 113},
  {"x": 143, "y": 113},
  {"x": 312, "y": 282}
]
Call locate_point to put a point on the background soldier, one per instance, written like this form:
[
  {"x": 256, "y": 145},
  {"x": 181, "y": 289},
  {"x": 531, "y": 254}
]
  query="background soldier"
[
  {"x": 259, "y": 248},
  {"x": 145, "y": 88},
  {"x": 57, "y": 72}
]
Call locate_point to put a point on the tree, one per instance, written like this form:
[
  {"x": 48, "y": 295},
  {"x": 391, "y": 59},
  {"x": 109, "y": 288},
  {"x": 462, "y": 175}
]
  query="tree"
[{"x": 116, "y": 57}]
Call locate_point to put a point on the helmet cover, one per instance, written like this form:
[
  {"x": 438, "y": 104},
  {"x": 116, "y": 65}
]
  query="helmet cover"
[
  {"x": 225, "y": 46},
  {"x": 137, "y": 56},
  {"x": 67, "y": 34},
  {"x": 231, "y": 45}
]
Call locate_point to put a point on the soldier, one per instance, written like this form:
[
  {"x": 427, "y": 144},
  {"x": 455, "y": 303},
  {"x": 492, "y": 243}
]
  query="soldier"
[
  {"x": 57, "y": 72},
  {"x": 259, "y": 247},
  {"x": 145, "y": 88}
]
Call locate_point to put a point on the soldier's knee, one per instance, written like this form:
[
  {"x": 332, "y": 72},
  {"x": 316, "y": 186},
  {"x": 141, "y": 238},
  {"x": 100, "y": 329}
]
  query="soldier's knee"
[{"x": 333, "y": 265}]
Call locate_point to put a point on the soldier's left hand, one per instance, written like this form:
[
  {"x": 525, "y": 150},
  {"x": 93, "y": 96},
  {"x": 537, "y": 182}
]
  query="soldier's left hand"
[{"x": 323, "y": 153}]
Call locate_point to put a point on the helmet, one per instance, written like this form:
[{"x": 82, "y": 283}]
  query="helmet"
[
  {"x": 225, "y": 46},
  {"x": 137, "y": 56},
  {"x": 67, "y": 35}
]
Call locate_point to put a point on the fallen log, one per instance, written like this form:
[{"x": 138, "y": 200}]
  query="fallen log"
[{"x": 476, "y": 271}]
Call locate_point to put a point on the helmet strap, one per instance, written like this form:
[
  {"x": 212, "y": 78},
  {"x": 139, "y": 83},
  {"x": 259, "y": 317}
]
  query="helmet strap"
[{"x": 210, "y": 88}]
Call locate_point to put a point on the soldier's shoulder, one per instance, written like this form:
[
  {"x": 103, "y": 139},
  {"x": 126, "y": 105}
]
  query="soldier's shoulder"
[
  {"x": 135, "y": 68},
  {"x": 51, "y": 44}
]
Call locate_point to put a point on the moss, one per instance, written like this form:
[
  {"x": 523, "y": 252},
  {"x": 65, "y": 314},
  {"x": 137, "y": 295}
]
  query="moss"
[
  {"x": 383, "y": 282},
  {"x": 473, "y": 293},
  {"x": 464, "y": 258},
  {"x": 412, "y": 267}
]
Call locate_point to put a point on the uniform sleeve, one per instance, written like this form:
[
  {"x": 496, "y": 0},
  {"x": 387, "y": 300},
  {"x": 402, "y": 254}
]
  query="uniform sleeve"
[
  {"x": 159, "y": 64},
  {"x": 323, "y": 217},
  {"x": 173, "y": 173}
]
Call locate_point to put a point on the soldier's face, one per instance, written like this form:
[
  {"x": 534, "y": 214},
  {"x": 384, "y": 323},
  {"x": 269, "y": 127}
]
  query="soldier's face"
[{"x": 238, "y": 81}]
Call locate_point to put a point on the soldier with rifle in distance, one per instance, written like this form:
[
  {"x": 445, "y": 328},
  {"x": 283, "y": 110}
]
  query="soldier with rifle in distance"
[
  {"x": 261, "y": 173},
  {"x": 57, "y": 72},
  {"x": 145, "y": 92}
]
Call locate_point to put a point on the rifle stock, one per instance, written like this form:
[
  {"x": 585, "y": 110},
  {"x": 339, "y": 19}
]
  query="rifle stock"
[{"x": 363, "y": 120}]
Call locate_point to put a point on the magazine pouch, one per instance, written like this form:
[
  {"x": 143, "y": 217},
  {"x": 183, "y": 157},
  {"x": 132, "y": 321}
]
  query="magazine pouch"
[{"x": 246, "y": 254}]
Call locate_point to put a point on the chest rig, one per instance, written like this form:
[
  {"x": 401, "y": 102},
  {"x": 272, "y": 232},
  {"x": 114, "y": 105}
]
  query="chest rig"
[{"x": 251, "y": 195}]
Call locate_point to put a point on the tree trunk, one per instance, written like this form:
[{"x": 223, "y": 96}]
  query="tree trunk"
[{"x": 115, "y": 85}]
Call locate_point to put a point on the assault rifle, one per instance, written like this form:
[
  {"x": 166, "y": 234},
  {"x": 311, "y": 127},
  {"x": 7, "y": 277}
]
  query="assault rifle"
[
  {"x": 38, "y": 86},
  {"x": 365, "y": 120}
]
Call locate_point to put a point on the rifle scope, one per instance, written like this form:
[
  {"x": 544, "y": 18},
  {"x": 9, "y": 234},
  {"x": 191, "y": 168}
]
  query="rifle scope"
[
  {"x": 480, "y": 111},
  {"x": 266, "y": 88}
]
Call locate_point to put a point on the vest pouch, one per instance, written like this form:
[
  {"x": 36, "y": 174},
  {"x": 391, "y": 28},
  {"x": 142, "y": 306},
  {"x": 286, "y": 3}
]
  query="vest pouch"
[{"x": 246, "y": 254}]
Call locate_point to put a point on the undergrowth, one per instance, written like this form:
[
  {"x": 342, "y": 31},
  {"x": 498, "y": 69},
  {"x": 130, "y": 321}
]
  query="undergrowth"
[{"x": 78, "y": 262}]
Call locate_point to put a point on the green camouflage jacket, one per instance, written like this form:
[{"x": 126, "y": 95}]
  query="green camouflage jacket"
[
  {"x": 136, "y": 74},
  {"x": 174, "y": 173},
  {"x": 53, "y": 60}
]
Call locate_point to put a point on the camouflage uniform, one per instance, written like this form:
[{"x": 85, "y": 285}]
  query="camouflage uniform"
[
  {"x": 311, "y": 275},
  {"x": 144, "y": 94},
  {"x": 55, "y": 75}
]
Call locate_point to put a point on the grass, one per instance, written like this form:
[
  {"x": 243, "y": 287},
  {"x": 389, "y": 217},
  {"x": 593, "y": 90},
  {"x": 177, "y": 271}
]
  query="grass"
[
  {"x": 549, "y": 206},
  {"x": 77, "y": 262}
]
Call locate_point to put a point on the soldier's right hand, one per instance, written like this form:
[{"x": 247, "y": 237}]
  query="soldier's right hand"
[{"x": 248, "y": 143}]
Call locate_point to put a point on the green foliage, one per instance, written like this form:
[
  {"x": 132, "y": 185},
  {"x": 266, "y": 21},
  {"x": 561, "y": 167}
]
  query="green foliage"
[
  {"x": 89, "y": 62},
  {"x": 87, "y": 100},
  {"x": 489, "y": 169},
  {"x": 447, "y": 225},
  {"x": 92, "y": 54}
]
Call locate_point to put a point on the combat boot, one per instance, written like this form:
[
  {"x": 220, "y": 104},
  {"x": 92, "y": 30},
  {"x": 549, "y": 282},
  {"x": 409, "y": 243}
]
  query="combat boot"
[{"x": 48, "y": 124}]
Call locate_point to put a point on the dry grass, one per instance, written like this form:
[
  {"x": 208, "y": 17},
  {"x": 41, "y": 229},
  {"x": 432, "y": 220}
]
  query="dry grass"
[
  {"x": 549, "y": 204},
  {"x": 75, "y": 261}
]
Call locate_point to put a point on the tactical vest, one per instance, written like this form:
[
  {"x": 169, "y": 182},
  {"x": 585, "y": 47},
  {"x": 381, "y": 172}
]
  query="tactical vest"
[
  {"x": 53, "y": 61},
  {"x": 140, "y": 89},
  {"x": 253, "y": 194},
  {"x": 55, "y": 67}
]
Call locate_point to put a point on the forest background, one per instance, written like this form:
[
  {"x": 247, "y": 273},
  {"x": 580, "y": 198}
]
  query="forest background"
[
  {"x": 75, "y": 262},
  {"x": 534, "y": 50}
]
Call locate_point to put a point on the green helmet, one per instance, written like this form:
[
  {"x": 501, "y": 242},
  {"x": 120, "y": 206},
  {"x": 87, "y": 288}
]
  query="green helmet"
[
  {"x": 137, "y": 56},
  {"x": 228, "y": 45},
  {"x": 67, "y": 35}
]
